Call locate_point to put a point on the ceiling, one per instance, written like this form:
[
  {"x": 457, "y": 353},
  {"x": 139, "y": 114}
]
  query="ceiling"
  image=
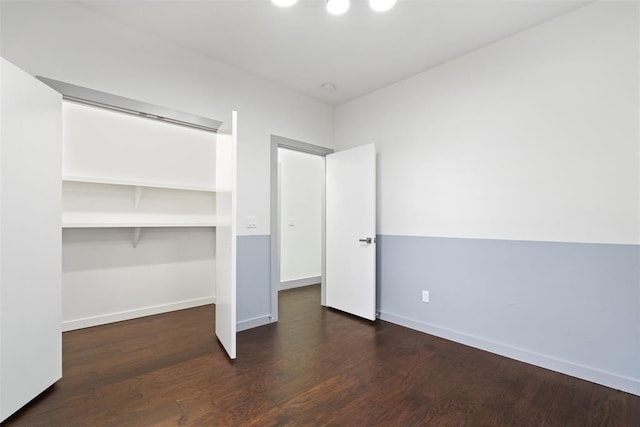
[{"x": 303, "y": 46}]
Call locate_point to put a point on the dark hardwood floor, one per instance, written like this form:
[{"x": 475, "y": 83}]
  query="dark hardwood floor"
[{"x": 316, "y": 367}]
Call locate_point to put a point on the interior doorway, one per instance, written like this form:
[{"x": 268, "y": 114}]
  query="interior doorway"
[
  {"x": 301, "y": 181},
  {"x": 296, "y": 220}
]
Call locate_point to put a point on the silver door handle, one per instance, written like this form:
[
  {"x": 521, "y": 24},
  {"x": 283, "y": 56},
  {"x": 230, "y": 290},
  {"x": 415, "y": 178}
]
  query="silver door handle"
[{"x": 368, "y": 240}]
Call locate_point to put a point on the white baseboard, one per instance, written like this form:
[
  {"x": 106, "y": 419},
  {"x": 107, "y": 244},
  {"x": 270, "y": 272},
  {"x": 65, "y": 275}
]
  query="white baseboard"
[
  {"x": 243, "y": 325},
  {"x": 298, "y": 283},
  {"x": 87, "y": 322},
  {"x": 629, "y": 385}
]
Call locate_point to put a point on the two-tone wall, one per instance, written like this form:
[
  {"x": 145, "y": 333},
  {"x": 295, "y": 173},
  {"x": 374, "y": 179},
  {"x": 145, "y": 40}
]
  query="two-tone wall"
[
  {"x": 508, "y": 178},
  {"x": 509, "y": 188}
]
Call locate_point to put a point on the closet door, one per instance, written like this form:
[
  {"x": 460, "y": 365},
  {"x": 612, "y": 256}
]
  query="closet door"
[
  {"x": 30, "y": 238},
  {"x": 226, "y": 237}
]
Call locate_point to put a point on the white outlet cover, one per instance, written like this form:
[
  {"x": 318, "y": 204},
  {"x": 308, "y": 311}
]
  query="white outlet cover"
[{"x": 425, "y": 296}]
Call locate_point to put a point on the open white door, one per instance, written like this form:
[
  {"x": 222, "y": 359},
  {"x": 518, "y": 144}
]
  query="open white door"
[
  {"x": 351, "y": 231},
  {"x": 30, "y": 238},
  {"x": 226, "y": 237}
]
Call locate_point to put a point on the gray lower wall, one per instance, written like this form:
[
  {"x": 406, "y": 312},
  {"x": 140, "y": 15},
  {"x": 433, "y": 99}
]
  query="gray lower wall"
[
  {"x": 570, "y": 307},
  {"x": 253, "y": 281}
]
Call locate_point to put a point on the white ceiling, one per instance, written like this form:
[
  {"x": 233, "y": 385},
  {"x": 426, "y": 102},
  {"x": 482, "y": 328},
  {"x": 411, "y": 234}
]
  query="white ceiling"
[{"x": 303, "y": 46}]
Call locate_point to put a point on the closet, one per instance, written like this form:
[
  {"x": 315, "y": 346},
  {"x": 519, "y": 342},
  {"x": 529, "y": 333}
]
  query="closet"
[
  {"x": 138, "y": 216},
  {"x": 126, "y": 209}
]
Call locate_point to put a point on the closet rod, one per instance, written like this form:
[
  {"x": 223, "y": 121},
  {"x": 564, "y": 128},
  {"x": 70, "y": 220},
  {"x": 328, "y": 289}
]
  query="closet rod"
[{"x": 131, "y": 106}]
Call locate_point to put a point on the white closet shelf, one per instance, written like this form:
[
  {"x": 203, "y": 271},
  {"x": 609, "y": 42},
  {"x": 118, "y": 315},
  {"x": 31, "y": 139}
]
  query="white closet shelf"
[
  {"x": 135, "y": 225},
  {"x": 114, "y": 221},
  {"x": 98, "y": 180}
]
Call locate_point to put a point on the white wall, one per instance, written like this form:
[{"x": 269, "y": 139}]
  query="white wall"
[
  {"x": 68, "y": 43},
  {"x": 485, "y": 160},
  {"x": 105, "y": 279},
  {"x": 301, "y": 182},
  {"x": 534, "y": 137},
  {"x": 102, "y": 143}
]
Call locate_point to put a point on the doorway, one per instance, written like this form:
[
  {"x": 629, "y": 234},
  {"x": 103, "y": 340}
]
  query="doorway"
[
  {"x": 278, "y": 221},
  {"x": 301, "y": 180}
]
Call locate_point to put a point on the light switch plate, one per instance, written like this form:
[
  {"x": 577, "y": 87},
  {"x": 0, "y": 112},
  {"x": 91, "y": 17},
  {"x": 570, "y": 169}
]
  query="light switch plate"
[{"x": 251, "y": 222}]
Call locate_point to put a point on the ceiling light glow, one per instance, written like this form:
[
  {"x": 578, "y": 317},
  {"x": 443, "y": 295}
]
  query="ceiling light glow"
[
  {"x": 382, "y": 5},
  {"x": 284, "y": 3},
  {"x": 337, "y": 7}
]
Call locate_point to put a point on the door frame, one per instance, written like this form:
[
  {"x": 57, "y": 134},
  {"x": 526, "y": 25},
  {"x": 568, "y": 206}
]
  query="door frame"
[{"x": 295, "y": 145}]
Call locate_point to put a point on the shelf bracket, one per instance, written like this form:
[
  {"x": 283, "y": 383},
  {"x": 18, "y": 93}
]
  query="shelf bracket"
[
  {"x": 137, "y": 195},
  {"x": 136, "y": 236}
]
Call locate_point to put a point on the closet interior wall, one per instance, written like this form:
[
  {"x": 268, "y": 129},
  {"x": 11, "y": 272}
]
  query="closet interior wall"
[{"x": 138, "y": 216}]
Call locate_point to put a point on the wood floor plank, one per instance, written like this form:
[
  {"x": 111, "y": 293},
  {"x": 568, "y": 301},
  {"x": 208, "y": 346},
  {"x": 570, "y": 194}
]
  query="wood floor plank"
[{"x": 317, "y": 366}]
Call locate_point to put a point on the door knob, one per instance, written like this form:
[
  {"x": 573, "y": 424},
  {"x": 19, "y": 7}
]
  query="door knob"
[{"x": 368, "y": 240}]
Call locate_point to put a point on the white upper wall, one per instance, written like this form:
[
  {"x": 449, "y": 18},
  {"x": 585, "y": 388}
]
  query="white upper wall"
[
  {"x": 71, "y": 44},
  {"x": 106, "y": 144},
  {"x": 534, "y": 137}
]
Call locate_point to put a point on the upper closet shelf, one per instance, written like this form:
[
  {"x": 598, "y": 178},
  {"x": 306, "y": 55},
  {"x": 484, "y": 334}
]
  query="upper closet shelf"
[
  {"x": 93, "y": 180},
  {"x": 132, "y": 224}
]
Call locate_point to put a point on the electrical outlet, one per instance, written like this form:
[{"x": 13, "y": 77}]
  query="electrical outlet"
[{"x": 425, "y": 296}]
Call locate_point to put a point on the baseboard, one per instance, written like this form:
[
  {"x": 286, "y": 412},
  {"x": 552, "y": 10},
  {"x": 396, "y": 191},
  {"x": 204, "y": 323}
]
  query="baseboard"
[
  {"x": 298, "y": 283},
  {"x": 629, "y": 385},
  {"x": 87, "y": 322},
  {"x": 243, "y": 325}
]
